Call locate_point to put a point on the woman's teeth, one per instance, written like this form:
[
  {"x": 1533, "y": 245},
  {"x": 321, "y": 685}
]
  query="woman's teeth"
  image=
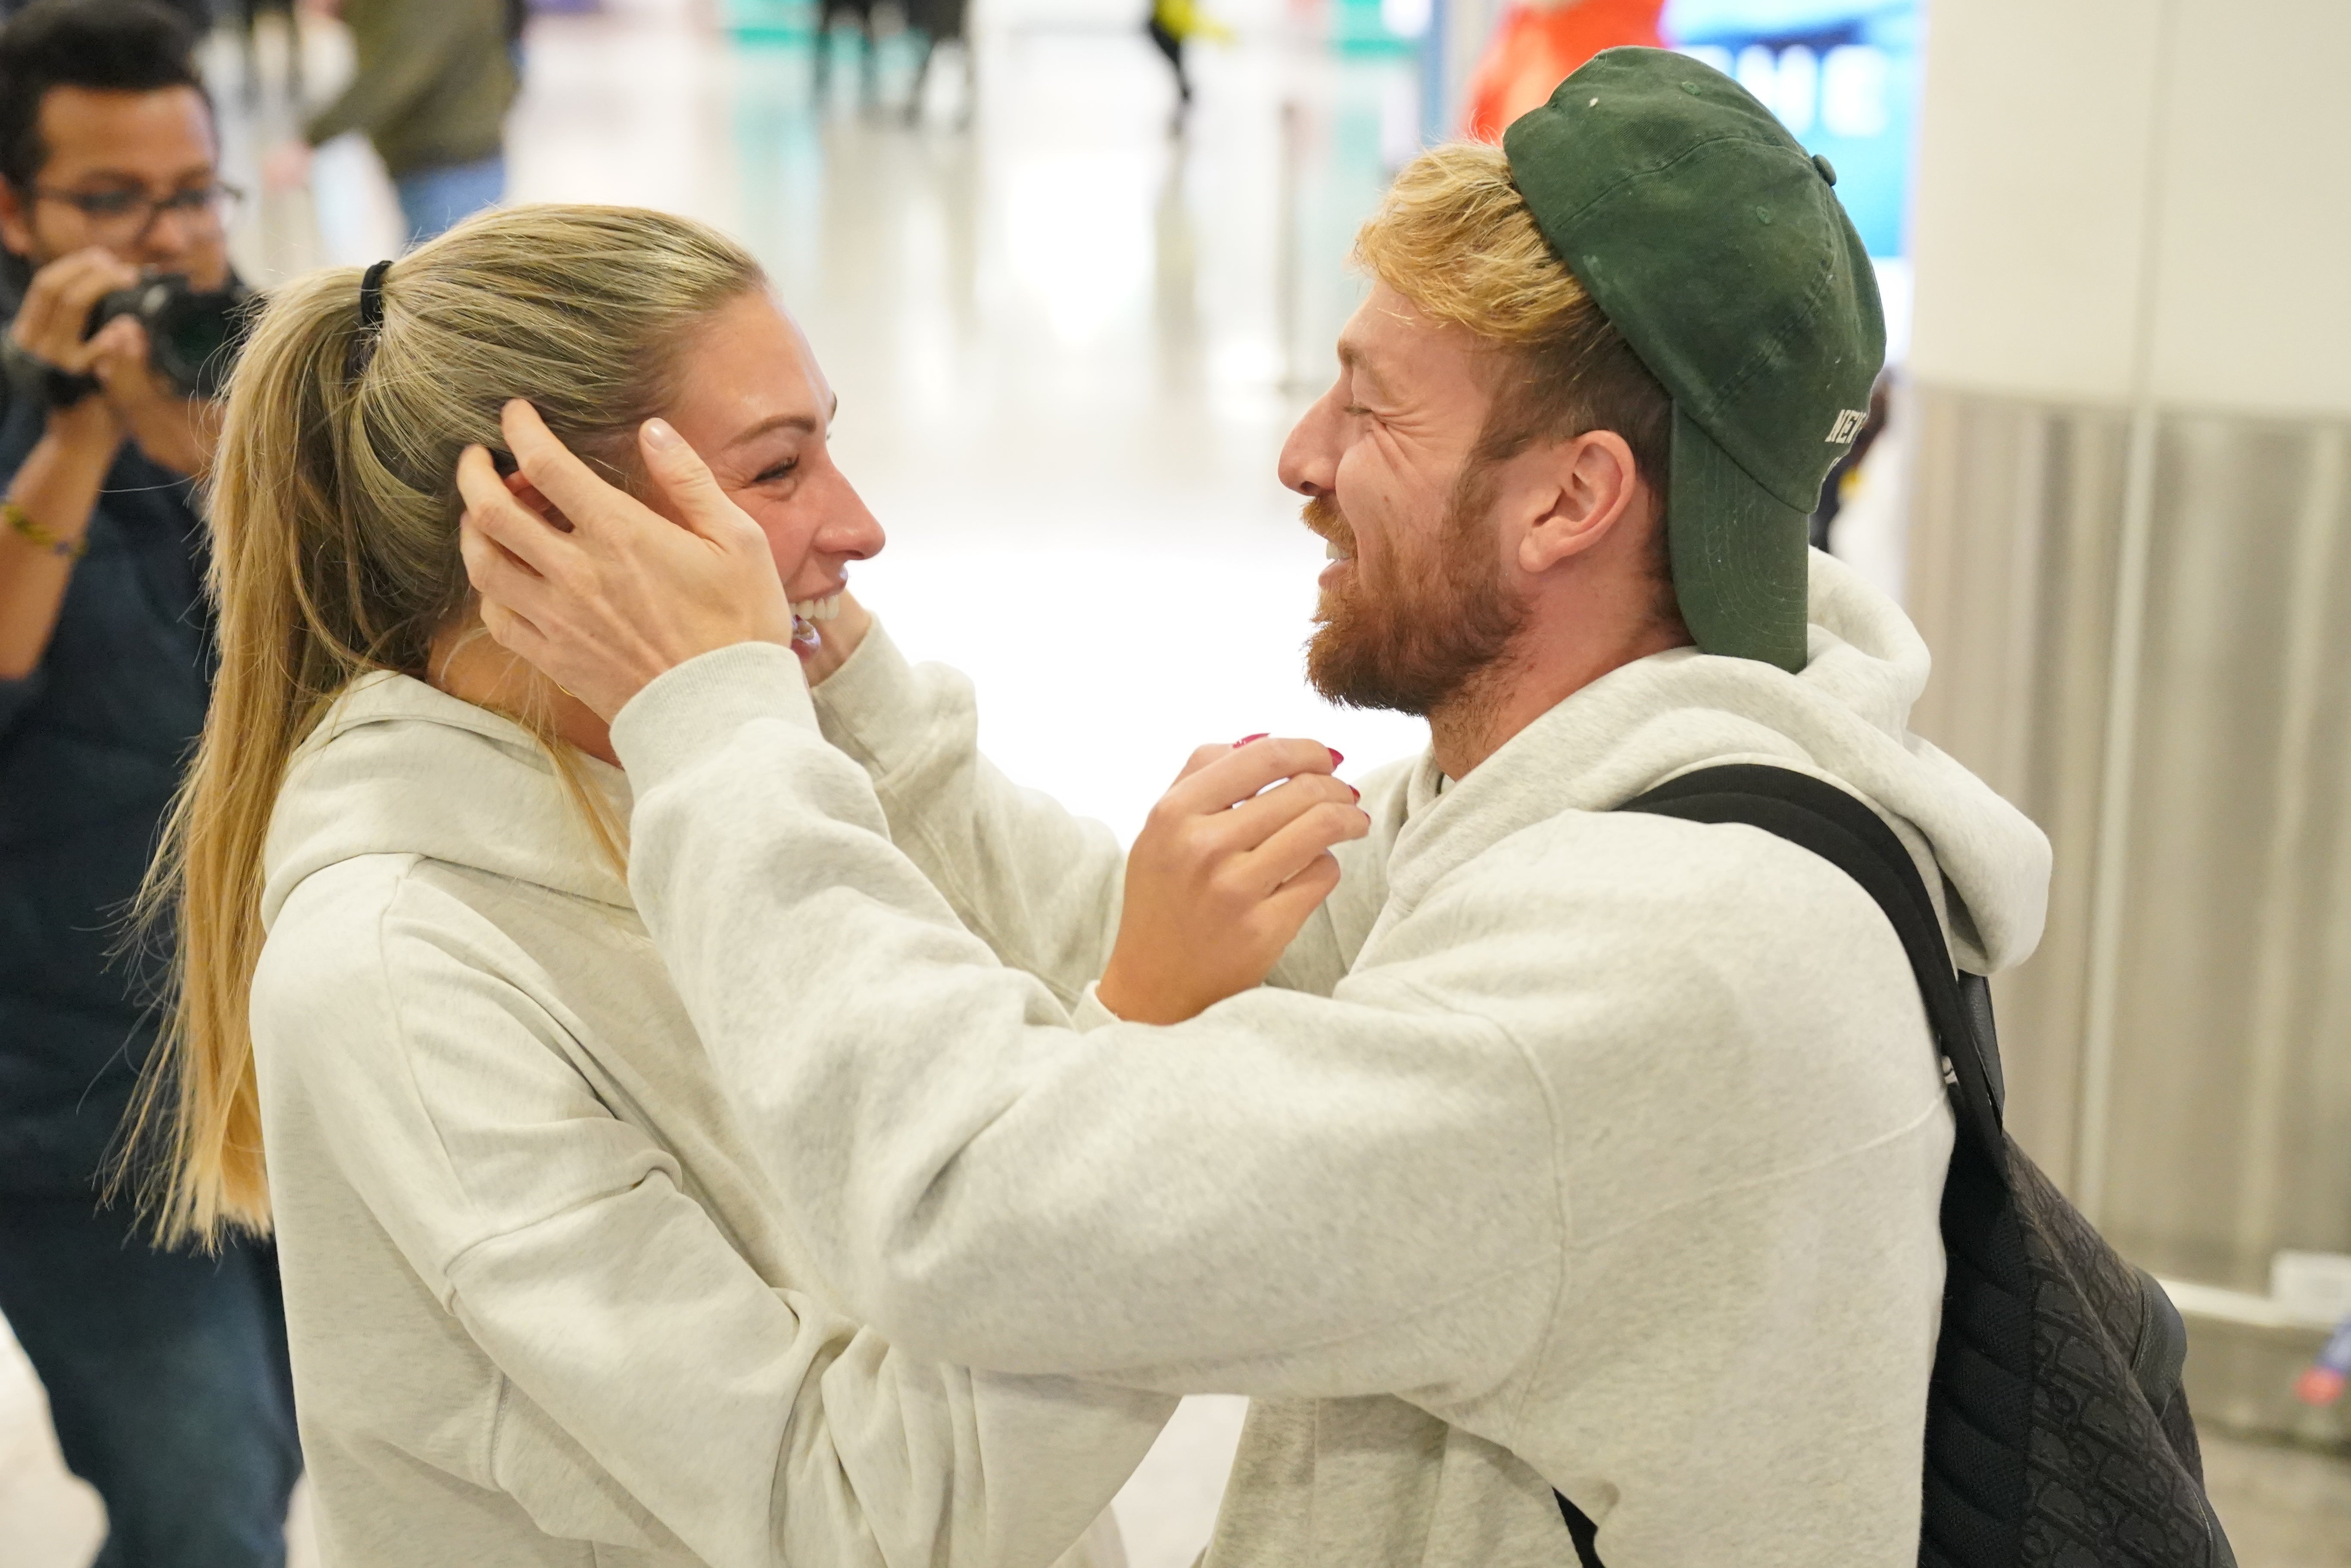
[{"x": 817, "y": 609}]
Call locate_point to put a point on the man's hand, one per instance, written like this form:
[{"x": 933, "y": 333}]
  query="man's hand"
[
  {"x": 1222, "y": 875},
  {"x": 286, "y": 167},
  {"x": 181, "y": 433},
  {"x": 604, "y": 594},
  {"x": 57, "y": 303}
]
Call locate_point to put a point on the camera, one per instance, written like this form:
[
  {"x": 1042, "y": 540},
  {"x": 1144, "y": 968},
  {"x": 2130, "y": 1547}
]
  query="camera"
[{"x": 193, "y": 334}]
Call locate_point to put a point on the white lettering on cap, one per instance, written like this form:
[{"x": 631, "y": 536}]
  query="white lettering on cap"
[{"x": 1848, "y": 425}]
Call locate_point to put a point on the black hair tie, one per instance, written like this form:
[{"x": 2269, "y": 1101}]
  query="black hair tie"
[
  {"x": 362, "y": 349},
  {"x": 372, "y": 296}
]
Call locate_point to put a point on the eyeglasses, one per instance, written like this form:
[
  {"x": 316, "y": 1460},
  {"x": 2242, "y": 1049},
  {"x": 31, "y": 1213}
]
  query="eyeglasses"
[{"x": 130, "y": 214}]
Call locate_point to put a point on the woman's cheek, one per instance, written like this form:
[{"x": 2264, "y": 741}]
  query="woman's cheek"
[{"x": 781, "y": 545}]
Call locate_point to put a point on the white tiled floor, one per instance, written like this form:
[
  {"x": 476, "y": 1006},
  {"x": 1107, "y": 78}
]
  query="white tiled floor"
[{"x": 1068, "y": 348}]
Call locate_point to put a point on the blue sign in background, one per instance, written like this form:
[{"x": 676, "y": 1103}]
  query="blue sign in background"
[{"x": 1841, "y": 74}]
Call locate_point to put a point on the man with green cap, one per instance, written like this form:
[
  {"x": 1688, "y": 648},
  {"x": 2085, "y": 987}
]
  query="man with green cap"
[{"x": 1497, "y": 1141}]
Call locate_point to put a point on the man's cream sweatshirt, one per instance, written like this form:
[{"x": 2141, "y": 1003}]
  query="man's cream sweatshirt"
[
  {"x": 544, "y": 1306},
  {"x": 1572, "y": 1150}
]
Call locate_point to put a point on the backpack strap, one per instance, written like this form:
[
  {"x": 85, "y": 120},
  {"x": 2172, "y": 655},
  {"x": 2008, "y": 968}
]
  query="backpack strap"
[
  {"x": 1580, "y": 1530},
  {"x": 1835, "y": 824},
  {"x": 1814, "y": 815}
]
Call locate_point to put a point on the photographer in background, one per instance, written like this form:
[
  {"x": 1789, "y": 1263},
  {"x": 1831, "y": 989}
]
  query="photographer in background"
[{"x": 166, "y": 1371}]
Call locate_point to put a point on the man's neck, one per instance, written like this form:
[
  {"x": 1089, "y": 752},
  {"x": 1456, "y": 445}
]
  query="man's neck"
[{"x": 1533, "y": 676}]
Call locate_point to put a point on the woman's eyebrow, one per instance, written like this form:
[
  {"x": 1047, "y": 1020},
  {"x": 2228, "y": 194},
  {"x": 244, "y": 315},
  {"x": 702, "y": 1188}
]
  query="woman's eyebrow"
[{"x": 806, "y": 424}]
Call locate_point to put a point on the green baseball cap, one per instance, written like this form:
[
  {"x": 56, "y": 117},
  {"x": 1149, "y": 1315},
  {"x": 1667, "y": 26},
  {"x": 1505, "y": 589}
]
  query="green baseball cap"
[{"x": 1712, "y": 241}]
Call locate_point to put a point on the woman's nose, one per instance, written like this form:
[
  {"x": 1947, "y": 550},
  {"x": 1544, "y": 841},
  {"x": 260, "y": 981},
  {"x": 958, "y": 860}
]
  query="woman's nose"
[{"x": 850, "y": 530}]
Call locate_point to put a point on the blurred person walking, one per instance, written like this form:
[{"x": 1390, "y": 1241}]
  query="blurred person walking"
[
  {"x": 430, "y": 91},
  {"x": 166, "y": 1370},
  {"x": 1171, "y": 24},
  {"x": 197, "y": 14},
  {"x": 936, "y": 22}
]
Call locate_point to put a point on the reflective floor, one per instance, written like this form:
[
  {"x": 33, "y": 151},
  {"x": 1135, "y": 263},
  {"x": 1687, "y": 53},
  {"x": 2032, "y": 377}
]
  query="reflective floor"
[{"x": 1067, "y": 346}]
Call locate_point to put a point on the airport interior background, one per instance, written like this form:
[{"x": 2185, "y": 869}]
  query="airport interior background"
[{"x": 1070, "y": 323}]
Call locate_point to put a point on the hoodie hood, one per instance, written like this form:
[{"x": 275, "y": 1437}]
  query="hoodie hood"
[
  {"x": 1844, "y": 718},
  {"x": 398, "y": 768}
]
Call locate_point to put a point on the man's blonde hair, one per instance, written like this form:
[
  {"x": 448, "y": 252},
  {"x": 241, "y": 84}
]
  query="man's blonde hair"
[{"x": 1456, "y": 238}]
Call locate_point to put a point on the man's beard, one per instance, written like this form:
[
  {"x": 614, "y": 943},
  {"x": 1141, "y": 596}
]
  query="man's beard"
[{"x": 1417, "y": 639}]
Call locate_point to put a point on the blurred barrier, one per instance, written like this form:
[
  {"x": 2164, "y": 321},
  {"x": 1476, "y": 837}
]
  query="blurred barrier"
[{"x": 2248, "y": 1355}]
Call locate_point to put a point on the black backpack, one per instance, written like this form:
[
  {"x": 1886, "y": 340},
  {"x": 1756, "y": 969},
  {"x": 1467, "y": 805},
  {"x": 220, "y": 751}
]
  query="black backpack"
[{"x": 2057, "y": 1433}]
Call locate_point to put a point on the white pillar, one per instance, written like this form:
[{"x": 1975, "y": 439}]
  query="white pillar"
[{"x": 2131, "y": 552}]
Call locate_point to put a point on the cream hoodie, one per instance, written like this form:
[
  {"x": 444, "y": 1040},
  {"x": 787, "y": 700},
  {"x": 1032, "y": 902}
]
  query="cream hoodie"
[
  {"x": 544, "y": 1306},
  {"x": 1589, "y": 1150}
]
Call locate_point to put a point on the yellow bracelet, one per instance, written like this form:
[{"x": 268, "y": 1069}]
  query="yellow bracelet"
[{"x": 20, "y": 523}]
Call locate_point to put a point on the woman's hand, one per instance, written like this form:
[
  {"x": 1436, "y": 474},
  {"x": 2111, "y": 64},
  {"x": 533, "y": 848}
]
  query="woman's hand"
[
  {"x": 607, "y": 594},
  {"x": 1222, "y": 875}
]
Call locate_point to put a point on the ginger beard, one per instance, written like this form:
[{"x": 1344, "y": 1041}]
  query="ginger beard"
[{"x": 1416, "y": 637}]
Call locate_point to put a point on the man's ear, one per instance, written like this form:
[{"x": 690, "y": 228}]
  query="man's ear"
[
  {"x": 1594, "y": 483},
  {"x": 15, "y": 221}
]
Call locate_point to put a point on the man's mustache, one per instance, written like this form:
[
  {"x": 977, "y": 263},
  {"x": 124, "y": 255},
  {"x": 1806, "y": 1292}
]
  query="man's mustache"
[{"x": 1323, "y": 518}]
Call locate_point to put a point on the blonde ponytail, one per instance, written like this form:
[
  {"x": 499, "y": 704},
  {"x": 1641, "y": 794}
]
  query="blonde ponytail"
[{"x": 334, "y": 511}]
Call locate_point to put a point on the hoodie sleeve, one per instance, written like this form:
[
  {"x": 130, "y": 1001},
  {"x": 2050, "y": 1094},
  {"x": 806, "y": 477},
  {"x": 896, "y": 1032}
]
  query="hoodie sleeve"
[
  {"x": 1040, "y": 885},
  {"x": 747, "y": 1421},
  {"x": 1287, "y": 1196}
]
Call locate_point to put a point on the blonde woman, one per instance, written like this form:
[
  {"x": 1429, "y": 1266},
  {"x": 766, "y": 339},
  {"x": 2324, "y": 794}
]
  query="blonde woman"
[{"x": 543, "y": 1306}]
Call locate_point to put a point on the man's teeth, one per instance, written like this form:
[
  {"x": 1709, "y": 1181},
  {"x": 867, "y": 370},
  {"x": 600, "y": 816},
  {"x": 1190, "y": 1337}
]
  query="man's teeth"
[
  {"x": 816, "y": 609},
  {"x": 1331, "y": 551}
]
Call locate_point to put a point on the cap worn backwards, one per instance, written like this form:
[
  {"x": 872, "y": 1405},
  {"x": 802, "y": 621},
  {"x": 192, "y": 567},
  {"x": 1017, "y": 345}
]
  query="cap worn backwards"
[{"x": 1712, "y": 241}]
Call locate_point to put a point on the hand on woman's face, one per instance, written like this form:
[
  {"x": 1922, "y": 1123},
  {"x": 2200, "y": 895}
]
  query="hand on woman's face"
[{"x": 756, "y": 408}]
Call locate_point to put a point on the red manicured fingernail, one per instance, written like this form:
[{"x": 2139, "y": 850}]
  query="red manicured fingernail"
[
  {"x": 1335, "y": 758},
  {"x": 1352, "y": 790},
  {"x": 1244, "y": 739}
]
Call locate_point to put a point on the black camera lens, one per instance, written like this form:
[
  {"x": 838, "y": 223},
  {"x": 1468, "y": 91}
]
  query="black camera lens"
[{"x": 193, "y": 335}]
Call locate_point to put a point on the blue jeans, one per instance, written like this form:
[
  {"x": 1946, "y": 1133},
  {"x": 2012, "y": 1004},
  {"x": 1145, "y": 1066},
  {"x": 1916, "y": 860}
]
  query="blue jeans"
[
  {"x": 167, "y": 1379},
  {"x": 433, "y": 200}
]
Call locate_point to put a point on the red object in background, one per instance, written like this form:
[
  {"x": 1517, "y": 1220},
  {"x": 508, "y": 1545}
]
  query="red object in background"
[
  {"x": 2319, "y": 1386},
  {"x": 1538, "y": 47}
]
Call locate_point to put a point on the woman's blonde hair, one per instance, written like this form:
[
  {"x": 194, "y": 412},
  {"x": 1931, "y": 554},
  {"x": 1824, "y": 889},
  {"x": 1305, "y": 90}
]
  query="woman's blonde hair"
[{"x": 334, "y": 510}]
